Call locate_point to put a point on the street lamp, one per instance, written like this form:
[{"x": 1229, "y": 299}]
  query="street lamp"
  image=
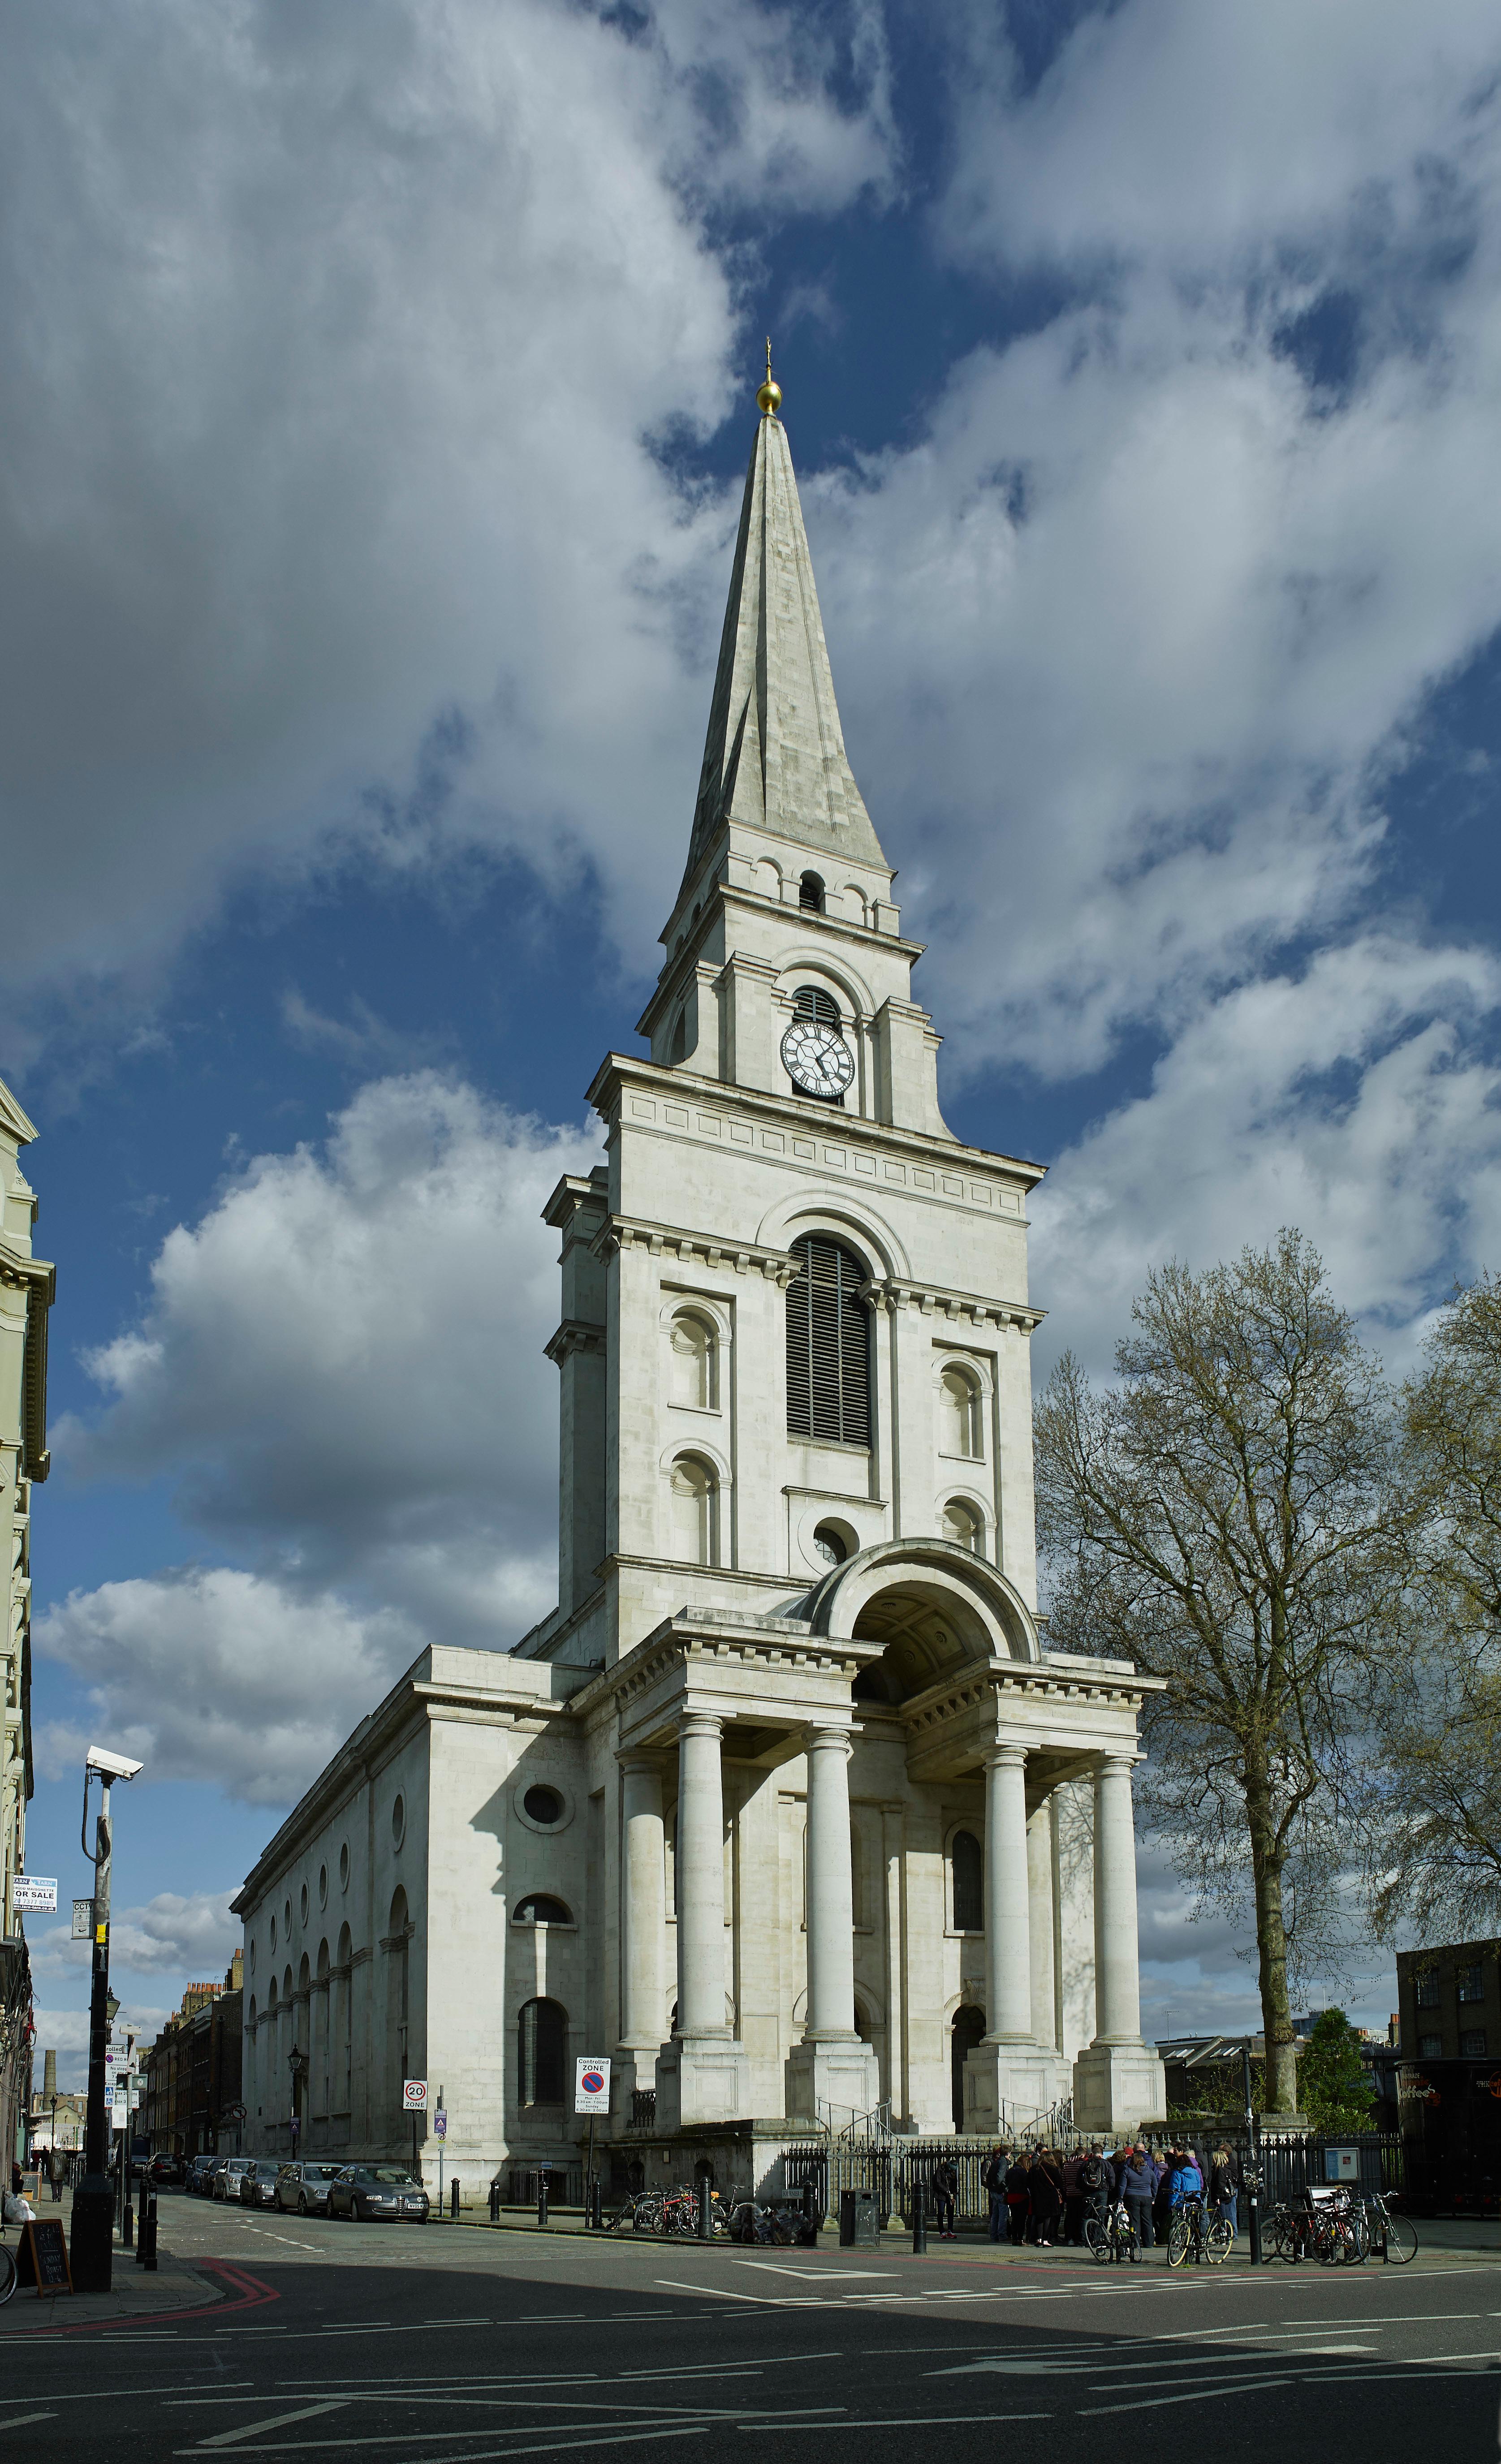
[
  {"x": 92, "y": 2254},
  {"x": 297, "y": 2064}
]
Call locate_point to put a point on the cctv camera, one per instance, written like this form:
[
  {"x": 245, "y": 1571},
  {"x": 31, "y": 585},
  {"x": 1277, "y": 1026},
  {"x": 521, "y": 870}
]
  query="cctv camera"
[{"x": 114, "y": 1765}]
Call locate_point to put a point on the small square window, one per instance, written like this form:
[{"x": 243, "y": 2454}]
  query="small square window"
[
  {"x": 1470, "y": 1983},
  {"x": 1427, "y": 1988},
  {"x": 1473, "y": 2042},
  {"x": 1430, "y": 2049}
]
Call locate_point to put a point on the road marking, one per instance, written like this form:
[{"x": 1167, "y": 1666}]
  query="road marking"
[
  {"x": 1191, "y": 2395},
  {"x": 818, "y": 2274},
  {"x": 906, "y": 2421},
  {"x": 19, "y": 2420},
  {"x": 279, "y": 2421},
  {"x": 467, "y": 2456},
  {"x": 715, "y": 2293}
]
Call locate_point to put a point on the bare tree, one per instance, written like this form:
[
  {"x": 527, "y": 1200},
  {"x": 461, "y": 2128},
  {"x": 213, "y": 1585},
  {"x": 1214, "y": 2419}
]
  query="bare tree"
[
  {"x": 1222, "y": 1518},
  {"x": 1436, "y": 1841}
]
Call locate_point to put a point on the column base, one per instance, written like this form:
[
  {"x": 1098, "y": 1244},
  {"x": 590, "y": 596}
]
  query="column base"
[
  {"x": 701, "y": 2079},
  {"x": 631, "y": 2067},
  {"x": 1119, "y": 2086},
  {"x": 840, "y": 2071},
  {"x": 1008, "y": 2084}
]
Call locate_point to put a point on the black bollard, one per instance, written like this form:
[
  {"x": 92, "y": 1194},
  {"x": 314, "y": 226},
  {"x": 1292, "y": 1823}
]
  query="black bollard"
[
  {"x": 128, "y": 2219},
  {"x": 454, "y": 2198},
  {"x": 541, "y": 2197},
  {"x": 705, "y": 2226},
  {"x": 148, "y": 2235},
  {"x": 495, "y": 2203},
  {"x": 597, "y": 2204},
  {"x": 141, "y": 2226},
  {"x": 919, "y": 2222}
]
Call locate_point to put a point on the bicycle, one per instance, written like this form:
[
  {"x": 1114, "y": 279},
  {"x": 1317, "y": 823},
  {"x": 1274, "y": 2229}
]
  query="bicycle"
[
  {"x": 7, "y": 2272},
  {"x": 1391, "y": 2237},
  {"x": 1191, "y": 2233},
  {"x": 1113, "y": 2237}
]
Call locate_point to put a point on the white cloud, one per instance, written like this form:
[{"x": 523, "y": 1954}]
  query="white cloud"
[
  {"x": 221, "y": 1675},
  {"x": 65, "y": 2033},
  {"x": 336, "y": 342},
  {"x": 341, "y": 1370},
  {"x": 169, "y": 1935}
]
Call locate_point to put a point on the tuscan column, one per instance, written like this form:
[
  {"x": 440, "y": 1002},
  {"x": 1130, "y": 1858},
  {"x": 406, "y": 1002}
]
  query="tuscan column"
[
  {"x": 830, "y": 1890},
  {"x": 1117, "y": 2016},
  {"x": 1008, "y": 1967},
  {"x": 700, "y": 1878},
  {"x": 641, "y": 1909},
  {"x": 1042, "y": 1915}
]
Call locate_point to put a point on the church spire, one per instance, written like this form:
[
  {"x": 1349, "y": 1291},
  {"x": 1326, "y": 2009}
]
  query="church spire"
[{"x": 775, "y": 758}]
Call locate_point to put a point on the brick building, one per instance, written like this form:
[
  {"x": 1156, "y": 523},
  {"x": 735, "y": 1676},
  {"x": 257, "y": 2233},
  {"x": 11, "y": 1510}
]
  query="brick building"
[
  {"x": 192, "y": 2098},
  {"x": 1449, "y": 2002}
]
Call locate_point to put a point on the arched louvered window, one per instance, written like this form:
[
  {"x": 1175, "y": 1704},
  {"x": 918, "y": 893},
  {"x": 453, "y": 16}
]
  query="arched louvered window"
[
  {"x": 543, "y": 2030},
  {"x": 829, "y": 1346},
  {"x": 818, "y": 1007},
  {"x": 810, "y": 893}
]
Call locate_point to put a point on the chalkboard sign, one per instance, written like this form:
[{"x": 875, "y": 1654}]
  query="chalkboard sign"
[{"x": 42, "y": 2259}]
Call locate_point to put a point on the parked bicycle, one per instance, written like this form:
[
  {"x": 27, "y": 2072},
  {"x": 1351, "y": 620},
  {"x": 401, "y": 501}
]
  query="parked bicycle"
[
  {"x": 1329, "y": 2233},
  {"x": 1192, "y": 2234},
  {"x": 1113, "y": 2237}
]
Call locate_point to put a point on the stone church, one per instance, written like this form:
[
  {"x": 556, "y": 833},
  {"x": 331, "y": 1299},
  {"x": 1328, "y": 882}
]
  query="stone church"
[{"x": 787, "y": 1807}]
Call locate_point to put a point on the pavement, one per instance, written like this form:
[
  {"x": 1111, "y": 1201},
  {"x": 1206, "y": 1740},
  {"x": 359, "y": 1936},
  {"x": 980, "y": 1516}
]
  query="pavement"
[{"x": 282, "y": 2336}]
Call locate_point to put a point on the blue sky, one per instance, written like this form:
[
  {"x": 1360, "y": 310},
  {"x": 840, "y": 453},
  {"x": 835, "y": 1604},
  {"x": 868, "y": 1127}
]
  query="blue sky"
[{"x": 380, "y": 389}]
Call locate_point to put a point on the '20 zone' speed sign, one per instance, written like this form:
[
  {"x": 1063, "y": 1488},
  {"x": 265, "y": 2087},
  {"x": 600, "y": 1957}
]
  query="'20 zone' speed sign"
[{"x": 415, "y": 2095}]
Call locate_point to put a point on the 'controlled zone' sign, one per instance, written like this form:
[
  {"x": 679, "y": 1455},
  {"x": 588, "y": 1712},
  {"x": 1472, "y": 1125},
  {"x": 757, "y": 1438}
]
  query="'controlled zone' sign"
[{"x": 590, "y": 2086}]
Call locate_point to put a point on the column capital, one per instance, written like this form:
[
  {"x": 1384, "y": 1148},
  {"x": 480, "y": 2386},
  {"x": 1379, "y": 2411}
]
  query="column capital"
[
  {"x": 635, "y": 1759},
  {"x": 825, "y": 1736},
  {"x": 1006, "y": 1755},
  {"x": 700, "y": 1724},
  {"x": 1118, "y": 1758}
]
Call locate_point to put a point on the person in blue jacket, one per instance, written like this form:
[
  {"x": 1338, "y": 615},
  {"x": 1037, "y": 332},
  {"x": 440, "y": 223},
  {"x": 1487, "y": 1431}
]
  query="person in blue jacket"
[{"x": 1135, "y": 2181}]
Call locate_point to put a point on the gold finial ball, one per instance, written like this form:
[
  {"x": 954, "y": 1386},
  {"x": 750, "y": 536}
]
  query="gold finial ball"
[{"x": 769, "y": 397}]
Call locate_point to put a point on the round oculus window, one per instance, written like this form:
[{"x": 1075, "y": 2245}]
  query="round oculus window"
[
  {"x": 399, "y": 1820},
  {"x": 322, "y": 1886},
  {"x": 544, "y": 1805},
  {"x": 286, "y": 1919},
  {"x": 302, "y": 1904}
]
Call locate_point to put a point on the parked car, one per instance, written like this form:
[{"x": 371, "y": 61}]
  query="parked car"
[
  {"x": 226, "y": 2176},
  {"x": 367, "y": 2191},
  {"x": 200, "y": 2176},
  {"x": 305, "y": 2185},
  {"x": 258, "y": 2183},
  {"x": 164, "y": 2169}
]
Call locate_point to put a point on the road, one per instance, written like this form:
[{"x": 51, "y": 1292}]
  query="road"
[{"x": 449, "y": 2346}]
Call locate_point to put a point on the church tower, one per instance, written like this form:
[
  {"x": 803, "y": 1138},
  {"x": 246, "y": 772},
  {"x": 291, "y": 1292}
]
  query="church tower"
[{"x": 795, "y": 1533}]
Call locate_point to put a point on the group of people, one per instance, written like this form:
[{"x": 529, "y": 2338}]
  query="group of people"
[{"x": 1037, "y": 2195}]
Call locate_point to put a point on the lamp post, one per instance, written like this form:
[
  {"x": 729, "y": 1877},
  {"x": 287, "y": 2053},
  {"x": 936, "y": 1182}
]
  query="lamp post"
[{"x": 92, "y": 2257}]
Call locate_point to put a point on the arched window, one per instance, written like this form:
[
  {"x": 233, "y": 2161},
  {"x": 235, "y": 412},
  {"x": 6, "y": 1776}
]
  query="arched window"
[
  {"x": 539, "y": 1909},
  {"x": 543, "y": 2034},
  {"x": 969, "y": 2026},
  {"x": 818, "y": 1007},
  {"x": 960, "y": 1430},
  {"x": 810, "y": 893},
  {"x": 692, "y": 1486},
  {"x": 696, "y": 1361},
  {"x": 963, "y": 1526},
  {"x": 829, "y": 1346},
  {"x": 969, "y": 1887}
]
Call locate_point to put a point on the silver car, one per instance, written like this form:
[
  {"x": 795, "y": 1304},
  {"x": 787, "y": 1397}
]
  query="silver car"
[
  {"x": 258, "y": 2182},
  {"x": 305, "y": 2185},
  {"x": 227, "y": 2175}
]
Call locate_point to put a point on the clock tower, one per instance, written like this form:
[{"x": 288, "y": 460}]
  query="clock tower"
[{"x": 796, "y": 1546}]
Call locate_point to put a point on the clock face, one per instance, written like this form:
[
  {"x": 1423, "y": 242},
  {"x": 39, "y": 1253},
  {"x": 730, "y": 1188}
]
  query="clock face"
[{"x": 817, "y": 1058}]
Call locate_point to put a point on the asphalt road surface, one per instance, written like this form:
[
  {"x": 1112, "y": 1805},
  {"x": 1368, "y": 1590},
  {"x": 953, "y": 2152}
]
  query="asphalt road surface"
[{"x": 448, "y": 2346}]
